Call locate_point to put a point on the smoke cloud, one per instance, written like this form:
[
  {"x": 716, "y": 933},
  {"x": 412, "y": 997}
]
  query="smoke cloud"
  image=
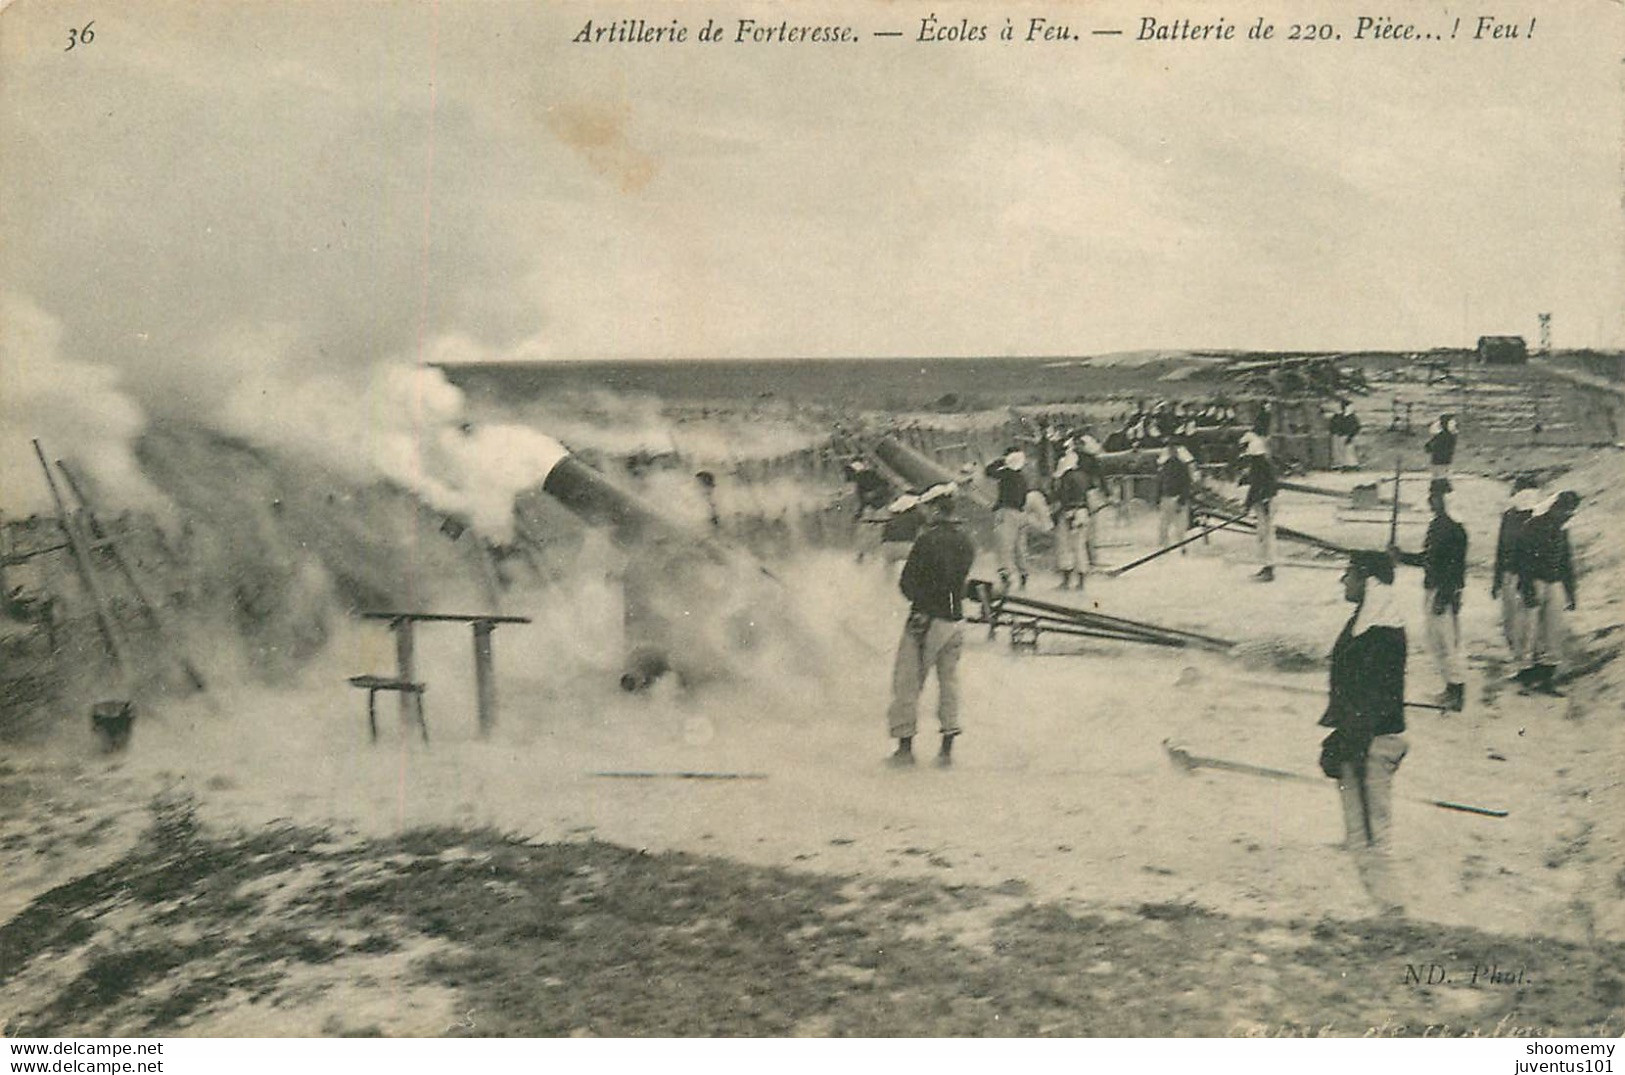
[{"x": 77, "y": 409}]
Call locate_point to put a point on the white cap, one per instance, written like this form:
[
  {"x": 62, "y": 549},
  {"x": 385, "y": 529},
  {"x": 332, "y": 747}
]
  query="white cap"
[
  {"x": 906, "y": 502},
  {"x": 1016, "y": 460}
]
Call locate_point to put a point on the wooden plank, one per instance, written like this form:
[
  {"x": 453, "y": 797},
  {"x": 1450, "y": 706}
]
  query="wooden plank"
[
  {"x": 444, "y": 617},
  {"x": 677, "y": 775}
]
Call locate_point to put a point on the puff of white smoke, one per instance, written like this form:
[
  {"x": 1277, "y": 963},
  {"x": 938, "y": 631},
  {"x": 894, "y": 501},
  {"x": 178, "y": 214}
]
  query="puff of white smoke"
[
  {"x": 76, "y": 409},
  {"x": 618, "y": 424},
  {"x": 403, "y": 423}
]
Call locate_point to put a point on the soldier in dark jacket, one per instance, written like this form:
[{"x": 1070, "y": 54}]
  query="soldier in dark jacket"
[
  {"x": 1344, "y": 427},
  {"x": 934, "y": 583},
  {"x": 1366, "y": 710},
  {"x": 1176, "y": 482},
  {"x": 1072, "y": 519},
  {"x": 1443, "y": 561},
  {"x": 1515, "y": 619},
  {"x": 1441, "y": 445},
  {"x": 1009, "y": 513},
  {"x": 1259, "y": 474},
  {"x": 1546, "y": 585},
  {"x": 874, "y": 493}
]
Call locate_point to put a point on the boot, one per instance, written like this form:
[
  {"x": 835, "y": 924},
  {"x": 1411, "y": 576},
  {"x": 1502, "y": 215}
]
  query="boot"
[
  {"x": 1266, "y": 573},
  {"x": 1544, "y": 681},
  {"x": 945, "y": 754},
  {"x": 1024, "y": 580},
  {"x": 903, "y": 756},
  {"x": 1066, "y": 580},
  {"x": 1455, "y": 696},
  {"x": 1004, "y": 581}
]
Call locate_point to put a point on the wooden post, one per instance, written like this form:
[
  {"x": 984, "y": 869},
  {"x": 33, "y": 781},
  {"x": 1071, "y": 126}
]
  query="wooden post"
[
  {"x": 149, "y": 608},
  {"x": 1393, "y": 518},
  {"x": 81, "y": 562},
  {"x": 485, "y": 684},
  {"x": 481, "y": 557},
  {"x": 406, "y": 667}
]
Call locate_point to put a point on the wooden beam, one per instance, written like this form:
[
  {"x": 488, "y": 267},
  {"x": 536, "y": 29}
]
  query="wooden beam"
[{"x": 81, "y": 561}]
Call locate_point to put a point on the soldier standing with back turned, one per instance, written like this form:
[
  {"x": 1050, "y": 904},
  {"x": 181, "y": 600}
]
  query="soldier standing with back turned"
[
  {"x": 1443, "y": 561},
  {"x": 934, "y": 583}
]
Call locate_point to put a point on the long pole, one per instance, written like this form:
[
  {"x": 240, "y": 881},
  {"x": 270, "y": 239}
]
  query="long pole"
[
  {"x": 1393, "y": 517},
  {"x": 148, "y": 607},
  {"x": 1190, "y": 762},
  {"x": 81, "y": 563},
  {"x": 1130, "y": 566},
  {"x": 1191, "y": 676}
]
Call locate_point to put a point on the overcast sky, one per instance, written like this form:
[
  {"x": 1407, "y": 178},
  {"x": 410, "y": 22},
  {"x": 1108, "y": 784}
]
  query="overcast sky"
[{"x": 337, "y": 183}]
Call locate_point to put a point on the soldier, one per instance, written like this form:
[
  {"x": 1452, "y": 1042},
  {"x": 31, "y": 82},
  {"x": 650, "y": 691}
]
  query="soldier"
[
  {"x": 874, "y": 493},
  {"x": 1009, "y": 514},
  {"x": 1072, "y": 519},
  {"x": 1443, "y": 561},
  {"x": 1175, "y": 484},
  {"x": 1344, "y": 427},
  {"x": 1366, "y": 712},
  {"x": 1515, "y": 619},
  {"x": 1261, "y": 488},
  {"x": 1545, "y": 565},
  {"x": 1441, "y": 445},
  {"x": 934, "y": 583}
]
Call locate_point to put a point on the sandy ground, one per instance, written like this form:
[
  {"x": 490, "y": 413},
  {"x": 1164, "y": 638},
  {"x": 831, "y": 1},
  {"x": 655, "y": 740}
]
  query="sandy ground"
[{"x": 1061, "y": 787}]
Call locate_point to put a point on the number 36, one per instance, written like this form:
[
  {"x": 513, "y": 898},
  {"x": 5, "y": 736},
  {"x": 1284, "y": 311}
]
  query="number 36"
[{"x": 83, "y": 36}]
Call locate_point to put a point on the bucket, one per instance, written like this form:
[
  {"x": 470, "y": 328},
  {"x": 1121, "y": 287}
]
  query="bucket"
[{"x": 111, "y": 722}]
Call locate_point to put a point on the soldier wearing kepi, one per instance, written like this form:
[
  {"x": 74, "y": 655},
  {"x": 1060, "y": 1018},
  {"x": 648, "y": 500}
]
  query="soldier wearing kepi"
[
  {"x": 1441, "y": 445},
  {"x": 874, "y": 493},
  {"x": 1366, "y": 712},
  {"x": 1072, "y": 523},
  {"x": 1261, "y": 488},
  {"x": 1515, "y": 619},
  {"x": 1344, "y": 427},
  {"x": 1010, "y": 514},
  {"x": 1175, "y": 484},
  {"x": 934, "y": 583},
  {"x": 1443, "y": 561},
  {"x": 1546, "y": 584}
]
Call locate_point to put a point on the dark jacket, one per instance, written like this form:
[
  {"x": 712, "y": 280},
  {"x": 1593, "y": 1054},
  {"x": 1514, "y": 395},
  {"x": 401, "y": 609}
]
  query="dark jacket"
[
  {"x": 874, "y": 491},
  {"x": 1367, "y": 697},
  {"x": 1441, "y": 448},
  {"x": 904, "y": 526},
  {"x": 1260, "y": 478},
  {"x": 1513, "y": 521},
  {"x": 1094, "y": 473},
  {"x": 934, "y": 574},
  {"x": 1544, "y": 555},
  {"x": 1174, "y": 479},
  {"x": 1443, "y": 558},
  {"x": 1072, "y": 490},
  {"x": 1012, "y": 485}
]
